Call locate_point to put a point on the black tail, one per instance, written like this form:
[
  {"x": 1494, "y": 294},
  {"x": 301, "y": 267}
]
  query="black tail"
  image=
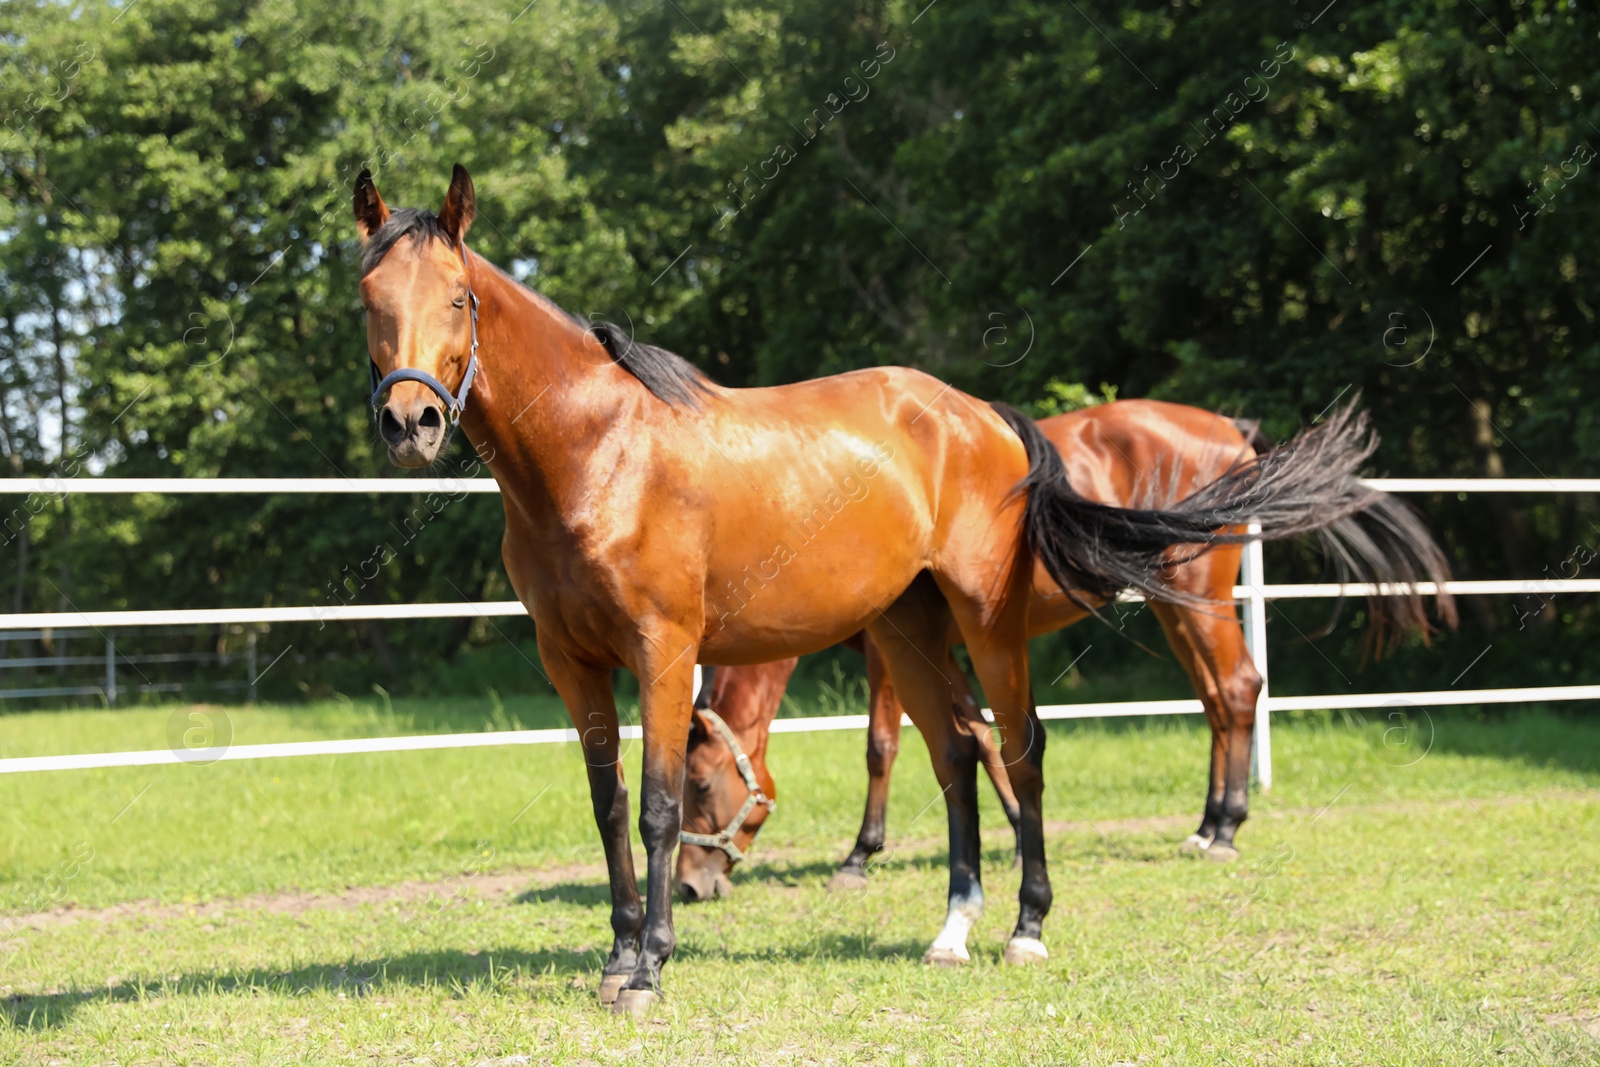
[
  {"x": 1386, "y": 542},
  {"x": 1307, "y": 485}
]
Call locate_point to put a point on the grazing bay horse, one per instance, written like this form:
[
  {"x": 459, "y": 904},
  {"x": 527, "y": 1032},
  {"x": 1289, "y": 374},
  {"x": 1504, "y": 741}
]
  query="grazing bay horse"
[
  {"x": 654, "y": 519},
  {"x": 728, "y": 790},
  {"x": 1113, "y": 453}
]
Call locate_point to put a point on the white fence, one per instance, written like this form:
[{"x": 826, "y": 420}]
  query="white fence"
[
  {"x": 111, "y": 688},
  {"x": 1253, "y": 592}
]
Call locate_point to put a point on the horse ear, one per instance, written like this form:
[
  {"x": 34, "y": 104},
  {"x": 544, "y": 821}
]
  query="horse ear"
[
  {"x": 371, "y": 211},
  {"x": 460, "y": 205}
]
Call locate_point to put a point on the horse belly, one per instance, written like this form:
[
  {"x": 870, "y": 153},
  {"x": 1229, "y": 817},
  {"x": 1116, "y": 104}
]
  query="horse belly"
[{"x": 803, "y": 584}]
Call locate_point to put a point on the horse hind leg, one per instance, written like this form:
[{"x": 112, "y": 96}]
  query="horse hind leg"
[
  {"x": 1210, "y": 645},
  {"x": 996, "y": 636},
  {"x": 883, "y": 745},
  {"x": 912, "y": 636},
  {"x": 1217, "y": 718},
  {"x": 1197, "y": 843},
  {"x": 1239, "y": 692},
  {"x": 964, "y": 706}
]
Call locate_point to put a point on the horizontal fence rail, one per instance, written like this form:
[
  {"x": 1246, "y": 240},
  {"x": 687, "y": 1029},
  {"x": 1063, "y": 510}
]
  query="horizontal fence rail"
[
  {"x": 813, "y": 724},
  {"x": 1253, "y": 593},
  {"x": 288, "y": 486},
  {"x": 312, "y": 613}
]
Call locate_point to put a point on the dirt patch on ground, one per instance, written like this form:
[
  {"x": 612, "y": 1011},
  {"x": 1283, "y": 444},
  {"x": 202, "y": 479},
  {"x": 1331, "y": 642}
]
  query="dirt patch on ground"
[
  {"x": 1588, "y": 1024},
  {"x": 501, "y": 885},
  {"x": 1124, "y": 826}
]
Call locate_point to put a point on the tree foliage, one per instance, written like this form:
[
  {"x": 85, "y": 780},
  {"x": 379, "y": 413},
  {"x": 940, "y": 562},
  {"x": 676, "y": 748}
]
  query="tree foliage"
[{"x": 1259, "y": 209}]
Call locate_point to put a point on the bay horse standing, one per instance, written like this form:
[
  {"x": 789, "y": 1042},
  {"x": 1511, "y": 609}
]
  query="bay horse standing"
[
  {"x": 654, "y": 519},
  {"x": 1113, "y": 453}
]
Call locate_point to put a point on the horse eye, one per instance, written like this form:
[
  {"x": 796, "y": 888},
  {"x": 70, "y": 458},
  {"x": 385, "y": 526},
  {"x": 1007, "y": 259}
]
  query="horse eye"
[{"x": 459, "y": 302}]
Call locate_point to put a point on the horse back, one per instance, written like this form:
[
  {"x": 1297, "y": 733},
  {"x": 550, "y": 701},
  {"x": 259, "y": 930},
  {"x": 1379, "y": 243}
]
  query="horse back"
[{"x": 1145, "y": 453}]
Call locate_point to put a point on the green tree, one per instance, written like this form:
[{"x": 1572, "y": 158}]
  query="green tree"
[{"x": 1259, "y": 209}]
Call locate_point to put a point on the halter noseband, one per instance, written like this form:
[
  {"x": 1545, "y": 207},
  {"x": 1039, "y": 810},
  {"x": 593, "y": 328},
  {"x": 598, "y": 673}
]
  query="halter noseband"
[
  {"x": 454, "y": 404},
  {"x": 723, "y": 838}
]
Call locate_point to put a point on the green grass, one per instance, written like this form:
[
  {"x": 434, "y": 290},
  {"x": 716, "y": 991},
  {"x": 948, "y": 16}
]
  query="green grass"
[{"x": 1424, "y": 896}]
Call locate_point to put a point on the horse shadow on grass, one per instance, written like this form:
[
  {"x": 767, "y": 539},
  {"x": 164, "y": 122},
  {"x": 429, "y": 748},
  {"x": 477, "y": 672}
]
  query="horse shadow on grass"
[
  {"x": 823, "y": 944},
  {"x": 352, "y": 978},
  {"x": 1535, "y": 736},
  {"x": 463, "y": 968},
  {"x": 579, "y": 970}
]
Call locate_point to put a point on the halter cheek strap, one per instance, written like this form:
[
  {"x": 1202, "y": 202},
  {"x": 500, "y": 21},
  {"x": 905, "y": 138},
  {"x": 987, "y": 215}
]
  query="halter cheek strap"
[
  {"x": 723, "y": 838},
  {"x": 454, "y": 404}
]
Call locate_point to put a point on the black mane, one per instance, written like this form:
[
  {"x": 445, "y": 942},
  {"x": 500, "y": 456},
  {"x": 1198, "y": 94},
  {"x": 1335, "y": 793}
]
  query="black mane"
[
  {"x": 666, "y": 374},
  {"x": 669, "y": 377}
]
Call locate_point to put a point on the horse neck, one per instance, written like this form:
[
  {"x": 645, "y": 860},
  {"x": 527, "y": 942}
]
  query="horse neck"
[
  {"x": 542, "y": 393},
  {"x": 748, "y": 699}
]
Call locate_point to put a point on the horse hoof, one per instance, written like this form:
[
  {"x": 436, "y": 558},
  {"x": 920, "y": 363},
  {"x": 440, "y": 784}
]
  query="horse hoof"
[
  {"x": 847, "y": 878},
  {"x": 1025, "y": 950},
  {"x": 1194, "y": 845},
  {"x": 1222, "y": 852},
  {"x": 610, "y": 986},
  {"x": 636, "y": 1002},
  {"x": 944, "y": 957}
]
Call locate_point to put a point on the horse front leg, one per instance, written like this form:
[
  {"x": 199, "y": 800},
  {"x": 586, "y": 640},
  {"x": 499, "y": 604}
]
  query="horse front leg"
[
  {"x": 666, "y": 684},
  {"x": 592, "y": 706}
]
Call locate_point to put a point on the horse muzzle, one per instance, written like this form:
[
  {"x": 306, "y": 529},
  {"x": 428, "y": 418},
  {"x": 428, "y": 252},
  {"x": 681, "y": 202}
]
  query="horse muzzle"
[
  {"x": 703, "y": 883},
  {"x": 413, "y": 430}
]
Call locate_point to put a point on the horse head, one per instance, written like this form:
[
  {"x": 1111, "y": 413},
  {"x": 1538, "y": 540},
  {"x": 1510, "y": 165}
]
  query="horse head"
[{"x": 422, "y": 316}]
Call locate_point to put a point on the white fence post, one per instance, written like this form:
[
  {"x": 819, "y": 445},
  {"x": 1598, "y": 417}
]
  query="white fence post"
[
  {"x": 111, "y": 671},
  {"x": 1253, "y": 576},
  {"x": 250, "y": 664}
]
